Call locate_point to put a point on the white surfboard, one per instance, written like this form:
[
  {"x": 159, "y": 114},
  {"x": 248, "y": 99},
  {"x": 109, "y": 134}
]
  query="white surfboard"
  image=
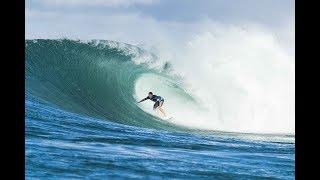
[{"x": 167, "y": 118}]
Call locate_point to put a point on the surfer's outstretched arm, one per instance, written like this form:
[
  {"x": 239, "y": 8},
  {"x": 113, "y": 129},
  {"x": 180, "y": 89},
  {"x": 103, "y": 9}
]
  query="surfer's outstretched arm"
[{"x": 142, "y": 100}]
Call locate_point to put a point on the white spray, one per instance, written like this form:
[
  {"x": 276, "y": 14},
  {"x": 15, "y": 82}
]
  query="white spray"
[{"x": 242, "y": 78}]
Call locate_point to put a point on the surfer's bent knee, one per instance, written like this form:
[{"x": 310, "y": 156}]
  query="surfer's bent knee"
[{"x": 161, "y": 103}]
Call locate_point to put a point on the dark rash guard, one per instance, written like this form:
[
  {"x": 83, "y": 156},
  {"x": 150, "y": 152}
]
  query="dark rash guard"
[{"x": 155, "y": 98}]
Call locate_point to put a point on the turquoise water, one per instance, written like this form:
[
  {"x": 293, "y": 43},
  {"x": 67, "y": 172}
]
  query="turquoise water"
[{"x": 82, "y": 121}]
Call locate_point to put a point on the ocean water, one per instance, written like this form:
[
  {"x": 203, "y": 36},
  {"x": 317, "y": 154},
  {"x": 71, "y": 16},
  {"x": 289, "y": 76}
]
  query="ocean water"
[{"x": 83, "y": 122}]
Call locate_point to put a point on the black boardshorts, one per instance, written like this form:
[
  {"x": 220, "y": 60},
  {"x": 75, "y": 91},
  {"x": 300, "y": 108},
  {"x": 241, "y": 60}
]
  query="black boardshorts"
[{"x": 158, "y": 103}]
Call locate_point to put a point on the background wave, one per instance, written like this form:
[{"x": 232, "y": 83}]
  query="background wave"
[{"x": 105, "y": 79}]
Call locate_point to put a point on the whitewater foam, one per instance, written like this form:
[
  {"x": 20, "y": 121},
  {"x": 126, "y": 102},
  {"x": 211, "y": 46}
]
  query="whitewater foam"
[{"x": 243, "y": 80}]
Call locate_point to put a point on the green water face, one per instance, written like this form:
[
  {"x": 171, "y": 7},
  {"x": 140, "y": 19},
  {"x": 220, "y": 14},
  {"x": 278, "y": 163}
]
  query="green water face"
[{"x": 91, "y": 79}]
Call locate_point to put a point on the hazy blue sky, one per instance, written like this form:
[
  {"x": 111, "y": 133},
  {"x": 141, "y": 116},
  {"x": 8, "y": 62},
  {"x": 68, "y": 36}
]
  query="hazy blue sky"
[
  {"x": 264, "y": 11},
  {"x": 79, "y": 18}
]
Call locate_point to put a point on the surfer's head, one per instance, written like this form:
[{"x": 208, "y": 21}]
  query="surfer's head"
[{"x": 150, "y": 94}]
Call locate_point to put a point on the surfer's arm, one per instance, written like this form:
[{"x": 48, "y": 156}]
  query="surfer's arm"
[{"x": 143, "y": 100}]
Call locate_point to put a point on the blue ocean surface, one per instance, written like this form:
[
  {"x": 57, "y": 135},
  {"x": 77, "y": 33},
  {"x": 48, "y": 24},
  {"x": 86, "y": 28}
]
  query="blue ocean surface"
[{"x": 81, "y": 125}]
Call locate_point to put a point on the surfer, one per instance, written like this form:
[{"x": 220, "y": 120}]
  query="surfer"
[{"x": 158, "y": 102}]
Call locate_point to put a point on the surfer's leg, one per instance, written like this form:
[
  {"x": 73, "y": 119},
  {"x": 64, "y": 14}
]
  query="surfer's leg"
[
  {"x": 160, "y": 107},
  {"x": 156, "y": 105},
  {"x": 161, "y": 103}
]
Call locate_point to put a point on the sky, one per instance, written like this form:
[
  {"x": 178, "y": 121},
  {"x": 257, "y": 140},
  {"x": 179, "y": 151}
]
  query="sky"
[
  {"x": 264, "y": 11},
  {"x": 135, "y": 21}
]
